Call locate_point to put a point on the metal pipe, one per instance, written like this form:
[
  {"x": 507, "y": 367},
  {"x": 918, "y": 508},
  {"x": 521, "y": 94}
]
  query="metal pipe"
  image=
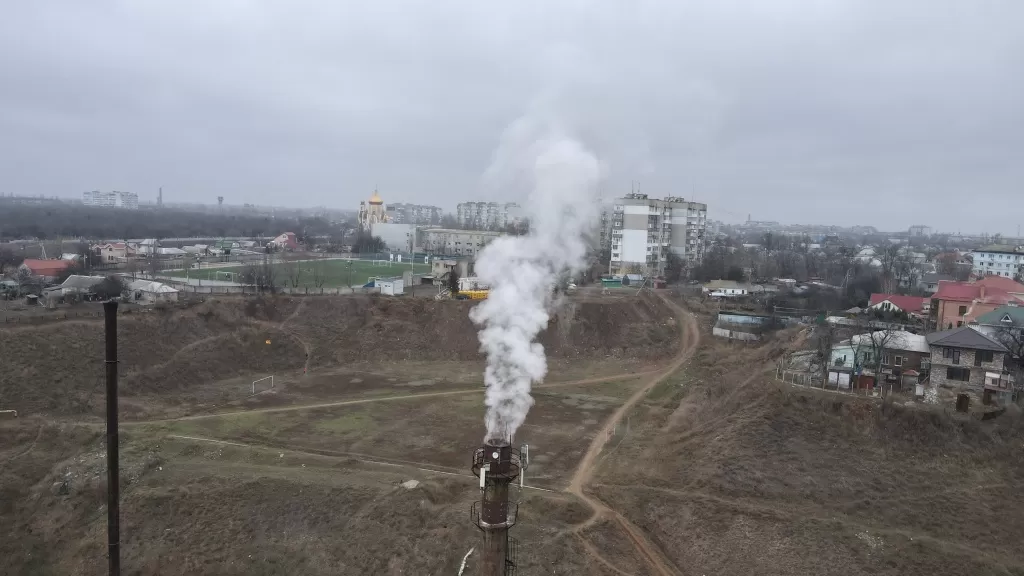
[{"x": 113, "y": 487}]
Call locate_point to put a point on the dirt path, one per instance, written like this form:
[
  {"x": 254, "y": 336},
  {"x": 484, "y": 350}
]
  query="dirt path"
[
  {"x": 358, "y": 401},
  {"x": 585, "y": 470}
]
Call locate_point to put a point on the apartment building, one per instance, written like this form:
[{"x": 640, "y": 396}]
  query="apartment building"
[
  {"x": 644, "y": 231},
  {"x": 421, "y": 214},
  {"x": 456, "y": 242},
  {"x": 488, "y": 215},
  {"x": 1005, "y": 261},
  {"x": 111, "y": 199}
]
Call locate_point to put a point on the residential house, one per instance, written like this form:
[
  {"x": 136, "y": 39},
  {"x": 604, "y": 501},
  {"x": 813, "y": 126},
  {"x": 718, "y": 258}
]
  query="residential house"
[
  {"x": 965, "y": 359},
  {"x": 148, "y": 292},
  {"x": 48, "y": 270},
  {"x": 285, "y": 241},
  {"x": 148, "y": 246},
  {"x": 75, "y": 285},
  {"x": 440, "y": 268},
  {"x": 897, "y": 303},
  {"x": 929, "y": 282},
  {"x": 956, "y": 304},
  {"x": 113, "y": 252},
  {"x": 900, "y": 358},
  {"x": 1001, "y": 320}
]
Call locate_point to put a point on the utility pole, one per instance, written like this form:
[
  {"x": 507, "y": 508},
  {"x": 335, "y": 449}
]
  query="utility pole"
[
  {"x": 113, "y": 484},
  {"x": 412, "y": 252}
]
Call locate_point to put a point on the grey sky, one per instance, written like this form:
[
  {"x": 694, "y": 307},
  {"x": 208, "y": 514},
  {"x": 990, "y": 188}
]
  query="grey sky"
[{"x": 844, "y": 112}]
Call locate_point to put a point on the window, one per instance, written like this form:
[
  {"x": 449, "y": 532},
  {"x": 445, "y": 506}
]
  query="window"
[
  {"x": 962, "y": 310},
  {"x": 983, "y": 356},
  {"x": 899, "y": 361},
  {"x": 958, "y": 374},
  {"x": 951, "y": 354},
  {"x": 886, "y": 359}
]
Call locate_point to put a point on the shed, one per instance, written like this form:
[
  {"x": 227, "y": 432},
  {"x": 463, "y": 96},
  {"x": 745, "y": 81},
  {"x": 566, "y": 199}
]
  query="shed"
[{"x": 391, "y": 287}]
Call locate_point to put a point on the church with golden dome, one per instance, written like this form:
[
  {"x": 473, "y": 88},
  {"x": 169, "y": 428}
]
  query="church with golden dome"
[{"x": 372, "y": 212}]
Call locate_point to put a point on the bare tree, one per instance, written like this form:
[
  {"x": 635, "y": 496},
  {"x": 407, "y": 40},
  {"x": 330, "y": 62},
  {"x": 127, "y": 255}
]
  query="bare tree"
[
  {"x": 292, "y": 271},
  {"x": 877, "y": 343},
  {"x": 319, "y": 277},
  {"x": 905, "y": 270},
  {"x": 824, "y": 343},
  {"x": 946, "y": 264},
  {"x": 153, "y": 266},
  {"x": 1013, "y": 338},
  {"x": 21, "y": 277},
  {"x": 887, "y": 255},
  {"x": 110, "y": 287},
  {"x": 8, "y": 259},
  {"x": 132, "y": 268},
  {"x": 262, "y": 275}
]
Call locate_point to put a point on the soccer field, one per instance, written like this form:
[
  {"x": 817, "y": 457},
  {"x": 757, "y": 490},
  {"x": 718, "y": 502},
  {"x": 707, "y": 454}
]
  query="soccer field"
[{"x": 336, "y": 273}]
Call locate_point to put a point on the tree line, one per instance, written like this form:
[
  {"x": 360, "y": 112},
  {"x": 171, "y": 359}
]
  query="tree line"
[{"x": 66, "y": 220}]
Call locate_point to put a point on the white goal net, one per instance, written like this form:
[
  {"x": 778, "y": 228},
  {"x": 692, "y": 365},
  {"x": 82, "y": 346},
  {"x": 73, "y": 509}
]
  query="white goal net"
[{"x": 263, "y": 384}]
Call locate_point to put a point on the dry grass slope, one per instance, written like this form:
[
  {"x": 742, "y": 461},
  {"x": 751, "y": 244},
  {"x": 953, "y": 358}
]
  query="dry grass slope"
[{"x": 751, "y": 477}]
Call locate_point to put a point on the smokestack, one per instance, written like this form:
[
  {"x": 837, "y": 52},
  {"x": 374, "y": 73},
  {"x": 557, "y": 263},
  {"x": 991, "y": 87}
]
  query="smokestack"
[
  {"x": 113, "y": 487},
  {"x": 497, "y": 465}
]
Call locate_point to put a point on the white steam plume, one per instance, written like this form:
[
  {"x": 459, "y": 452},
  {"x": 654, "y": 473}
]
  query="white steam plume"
[{"x": 563, "y": 207}]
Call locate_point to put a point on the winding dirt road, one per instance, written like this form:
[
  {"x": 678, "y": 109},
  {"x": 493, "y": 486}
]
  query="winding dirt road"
[
  {"x": 588, "y": 464},
  {"x": 357, "y": 401}
]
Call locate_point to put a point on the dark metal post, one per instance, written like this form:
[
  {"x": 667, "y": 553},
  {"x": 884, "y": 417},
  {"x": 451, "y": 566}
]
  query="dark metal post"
[{"x": 113, "y": 487}]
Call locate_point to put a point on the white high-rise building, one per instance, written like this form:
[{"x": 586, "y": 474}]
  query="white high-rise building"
[
  {"x": 488, "y": 215},
  {"x": 112, "y": 199},
  {"x": 644, "y": 231}
]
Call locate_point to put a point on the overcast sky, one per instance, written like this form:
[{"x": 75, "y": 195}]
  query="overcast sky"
[{"x": 888, "y": 112}]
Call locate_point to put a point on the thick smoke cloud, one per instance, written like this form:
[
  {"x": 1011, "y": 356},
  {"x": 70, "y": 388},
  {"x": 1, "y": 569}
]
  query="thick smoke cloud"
[{"x": 562, "y": 176}]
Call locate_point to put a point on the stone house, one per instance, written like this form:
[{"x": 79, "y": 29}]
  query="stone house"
[{"x": 965, "y": 359}]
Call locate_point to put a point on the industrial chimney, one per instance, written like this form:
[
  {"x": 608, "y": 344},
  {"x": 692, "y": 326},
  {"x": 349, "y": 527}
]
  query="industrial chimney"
[{"x": 497, "y": 464}]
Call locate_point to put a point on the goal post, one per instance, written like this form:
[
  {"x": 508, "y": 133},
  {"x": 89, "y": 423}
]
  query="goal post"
[{"x": 264, "y": 380}]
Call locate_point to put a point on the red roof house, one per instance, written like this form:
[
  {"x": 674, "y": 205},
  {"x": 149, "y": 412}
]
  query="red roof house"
[
  {"x": 898, "y": 303},
  {"x": 286, "y": 241},
  {"x": 958, "y": 303},
  {"x": 46, "y": 268}
]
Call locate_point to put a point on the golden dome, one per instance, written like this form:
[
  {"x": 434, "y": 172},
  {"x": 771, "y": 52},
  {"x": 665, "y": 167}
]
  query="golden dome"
[{"x": 376, "y": 199}]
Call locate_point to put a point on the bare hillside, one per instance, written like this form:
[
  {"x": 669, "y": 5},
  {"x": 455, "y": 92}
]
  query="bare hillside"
[
  {"x": 747, "y": 476},
  {"x": 173, "y": 355}
]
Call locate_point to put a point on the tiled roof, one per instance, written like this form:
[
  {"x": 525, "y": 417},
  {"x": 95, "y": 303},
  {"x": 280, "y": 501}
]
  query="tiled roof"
[
  {"x": 995, "y": 317},
  {"x": 907, "y": 303},
  {"x": 1001, "y": 283},
  {"x": 47, "y": 267},
  {"x": 958, "y": 291},
  {"x": 964, "y": 337}
]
